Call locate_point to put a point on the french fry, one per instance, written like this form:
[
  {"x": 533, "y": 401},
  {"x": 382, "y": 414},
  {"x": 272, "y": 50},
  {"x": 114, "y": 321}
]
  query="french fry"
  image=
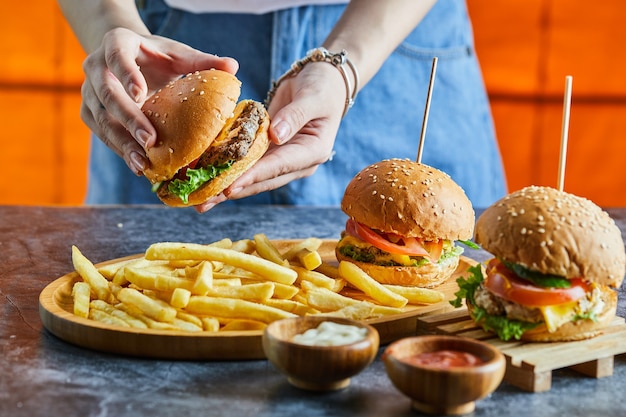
[
  {"x": 254, "y": 292},
  {"x": 291, "y": 306},
  {"x": 102, "y": 317},
  {"x": 324, "y": 299},
  {"x": 358, "y": 311},
  {"x": 150, "y": 307},
  {"x": 191, "y": 318},
  {"x": 235, "y": 308},
  {"x": 310, "y": 244},
  {"x": 81, "y": 293},
  {"x": 266, "y": 250},
  {"x": 116, "y": 312},
  {"x": 263, "y": 267},
  {"x": 210, "y": 324},
  {"x": 359, "y": 279},
  {"x": 319, "y": 280},
  {"x": 243, "y": 324},
  {"x": 110, "y": 269},
  {"x": 285, "y": 292},
  {"x": 145, "y": 279},
  {"x": 328, "y": 269},
  {"x": 244, "y": 245},
  {"x": 180, "y": 298},
  {"x": 417, "y": 295},
  {"x": 185, "y": 325},
  {"x": 309, "y": 259},
  {"x": 90, "y": 274},
  {"x": 204, "y": 279},
  {"x": 225, "y": 243}
]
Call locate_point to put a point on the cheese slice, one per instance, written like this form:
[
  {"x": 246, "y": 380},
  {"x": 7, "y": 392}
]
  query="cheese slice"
[{"x": 556, "y": 315}]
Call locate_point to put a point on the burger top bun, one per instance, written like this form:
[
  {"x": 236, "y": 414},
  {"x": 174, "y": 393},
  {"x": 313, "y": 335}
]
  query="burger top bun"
[
  {"x": 553, "y": 232},
  {"x": 409, "y": 199},
  {"x": 188, "y": 114}
]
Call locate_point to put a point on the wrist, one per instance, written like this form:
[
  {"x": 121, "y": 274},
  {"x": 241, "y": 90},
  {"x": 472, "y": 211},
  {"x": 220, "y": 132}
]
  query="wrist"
[{"x": 339, "y": 60}]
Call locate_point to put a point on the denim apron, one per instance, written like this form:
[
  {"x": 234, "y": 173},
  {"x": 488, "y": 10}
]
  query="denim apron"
[{"x": 385, "y": 122}]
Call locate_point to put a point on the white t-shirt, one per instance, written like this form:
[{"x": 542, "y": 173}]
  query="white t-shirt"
[{"x": 243, "y": 6}]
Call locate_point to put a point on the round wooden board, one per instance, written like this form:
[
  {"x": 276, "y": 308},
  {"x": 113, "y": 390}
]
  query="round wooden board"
[{"x": 56, "y": 311}]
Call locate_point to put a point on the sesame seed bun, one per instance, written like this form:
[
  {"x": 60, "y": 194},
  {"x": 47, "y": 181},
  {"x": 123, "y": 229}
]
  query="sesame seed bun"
[
  {"x": 553, "y": 232},
  {"x": 200, "y": 125},
  {"x": 220, "y": 183},
  {"x": 409, "y": 199},
  {"x": 187, "y": 115},
  {"x": 412, "y": 200}
]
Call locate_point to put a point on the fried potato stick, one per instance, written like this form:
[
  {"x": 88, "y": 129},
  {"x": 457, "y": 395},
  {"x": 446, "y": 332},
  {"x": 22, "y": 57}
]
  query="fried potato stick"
[{"x": 263, "y": 267}]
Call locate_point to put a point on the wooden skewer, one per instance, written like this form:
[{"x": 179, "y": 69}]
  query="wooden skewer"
[
  {"x": 427, "y": 109},
  {"x": 567, "y": 104}
]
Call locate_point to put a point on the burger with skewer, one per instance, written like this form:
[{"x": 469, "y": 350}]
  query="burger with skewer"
[
  {"x": 404, "y": 219},
  {"x": 558, "y": 259}
]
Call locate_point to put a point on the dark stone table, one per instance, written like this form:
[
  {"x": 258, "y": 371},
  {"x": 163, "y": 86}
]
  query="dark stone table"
[{"x": 41, "y": 375}]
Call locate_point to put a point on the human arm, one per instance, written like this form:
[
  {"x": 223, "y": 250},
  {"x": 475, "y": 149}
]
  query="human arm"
[
  {"x": 306, "y": 109},
  {"x": 124, "y": 65}
]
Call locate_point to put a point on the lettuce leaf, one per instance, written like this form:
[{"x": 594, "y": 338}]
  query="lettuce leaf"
[
  {"x": 196, "y": 178},
  {"x": 506, "y": 329}
]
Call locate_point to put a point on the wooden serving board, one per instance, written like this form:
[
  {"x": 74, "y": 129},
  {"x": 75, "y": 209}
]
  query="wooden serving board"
[
  {"x": 529, "y": 365},
  {"x": 56, "y": 312}
]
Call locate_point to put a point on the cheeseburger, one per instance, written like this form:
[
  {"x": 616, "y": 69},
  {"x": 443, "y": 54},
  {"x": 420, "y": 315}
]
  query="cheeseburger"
[
  {"x": 205, "y": 139},
  {"x": 558, "y": 259},
  {"x": 404, "y": 218}
]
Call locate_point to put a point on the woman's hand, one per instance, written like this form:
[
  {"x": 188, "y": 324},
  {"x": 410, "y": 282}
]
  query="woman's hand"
[
  {"x": 305, "y": 115},
  {"x": 120, "y": 75}
]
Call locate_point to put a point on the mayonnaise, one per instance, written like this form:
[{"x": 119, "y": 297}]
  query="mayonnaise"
[{"x": 329, "y": 333}]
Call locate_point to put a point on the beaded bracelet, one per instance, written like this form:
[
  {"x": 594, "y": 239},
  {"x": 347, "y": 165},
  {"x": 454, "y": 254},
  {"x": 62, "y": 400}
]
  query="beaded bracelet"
[{"x": 323, "y": 55}]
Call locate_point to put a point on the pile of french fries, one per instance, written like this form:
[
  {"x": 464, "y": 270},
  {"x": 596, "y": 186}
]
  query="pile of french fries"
[{"x": 226, "y": 285}]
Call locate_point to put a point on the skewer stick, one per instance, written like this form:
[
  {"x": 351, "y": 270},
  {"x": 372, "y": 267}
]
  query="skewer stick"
[
  {"x": 427, "y": 109},
  {"x": 567, "y": 104}
]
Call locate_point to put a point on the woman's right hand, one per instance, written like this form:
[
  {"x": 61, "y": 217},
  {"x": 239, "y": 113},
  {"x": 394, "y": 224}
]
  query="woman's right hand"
[{"x": 121, "y": 74}]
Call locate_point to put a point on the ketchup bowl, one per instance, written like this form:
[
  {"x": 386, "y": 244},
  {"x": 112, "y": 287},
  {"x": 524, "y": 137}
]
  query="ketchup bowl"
[
  {"x": 444, "y": 374},
  {"x": 319, "y": 367}
]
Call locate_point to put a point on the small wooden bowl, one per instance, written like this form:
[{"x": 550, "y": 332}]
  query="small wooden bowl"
[
  {"x": 317, "y": 368},
  {"x": 444, "y": 391}
]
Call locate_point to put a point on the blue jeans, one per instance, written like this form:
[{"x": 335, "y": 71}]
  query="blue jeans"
[{"x": 385, "y": 121}]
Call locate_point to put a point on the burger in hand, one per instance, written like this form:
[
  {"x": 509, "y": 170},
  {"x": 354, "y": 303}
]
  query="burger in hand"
[
  {"x": 558, "y": 258},
  {"x": 404, "y": 220},
  {"x": 205, "y": 139}
]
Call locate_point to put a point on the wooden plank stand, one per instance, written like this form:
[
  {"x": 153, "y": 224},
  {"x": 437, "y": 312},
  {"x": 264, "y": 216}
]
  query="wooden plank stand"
[{"x": 530, "y": 364}]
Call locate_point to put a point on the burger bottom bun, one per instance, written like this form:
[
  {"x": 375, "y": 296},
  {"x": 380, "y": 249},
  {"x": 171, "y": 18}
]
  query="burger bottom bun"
[
  {"x": 425, "y": 276},
  {"x": 575, "y": 330},
  {"x": 225, "y": 179}
]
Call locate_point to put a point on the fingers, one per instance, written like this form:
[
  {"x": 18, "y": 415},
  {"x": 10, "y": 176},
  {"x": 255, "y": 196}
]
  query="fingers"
[{"x": 121, "y": 74}]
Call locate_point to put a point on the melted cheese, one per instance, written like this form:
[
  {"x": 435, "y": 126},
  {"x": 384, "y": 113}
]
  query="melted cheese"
[
  {"x": 557, "y": 315},
  {"x": 382, "y": 258}
]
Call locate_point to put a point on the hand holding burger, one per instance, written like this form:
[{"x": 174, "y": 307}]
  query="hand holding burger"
[
  {"x": 205, "y": 139},
  {"x": 404, "y": 219},
  {"x": 558, "y": 258}
]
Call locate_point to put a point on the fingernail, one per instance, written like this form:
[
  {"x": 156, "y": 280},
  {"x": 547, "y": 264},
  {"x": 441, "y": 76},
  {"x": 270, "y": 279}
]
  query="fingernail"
[
  {"x": 142, "y": 137},
  {"x": 138, "y": 162},
  {"x": 282, "y": 130},
  {"x": 135, "y": 92}
]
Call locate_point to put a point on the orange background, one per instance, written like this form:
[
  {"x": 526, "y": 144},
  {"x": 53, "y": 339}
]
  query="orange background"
[{"x": 526, "y": 48}]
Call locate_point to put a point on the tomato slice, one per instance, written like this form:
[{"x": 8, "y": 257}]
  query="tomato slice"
[
  {"x": 505, "y": 284},
  {"x": 410, "y": 246}
]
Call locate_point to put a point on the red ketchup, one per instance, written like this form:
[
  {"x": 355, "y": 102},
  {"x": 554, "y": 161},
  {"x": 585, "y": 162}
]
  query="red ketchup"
[{"x": 444, "y": 359}]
